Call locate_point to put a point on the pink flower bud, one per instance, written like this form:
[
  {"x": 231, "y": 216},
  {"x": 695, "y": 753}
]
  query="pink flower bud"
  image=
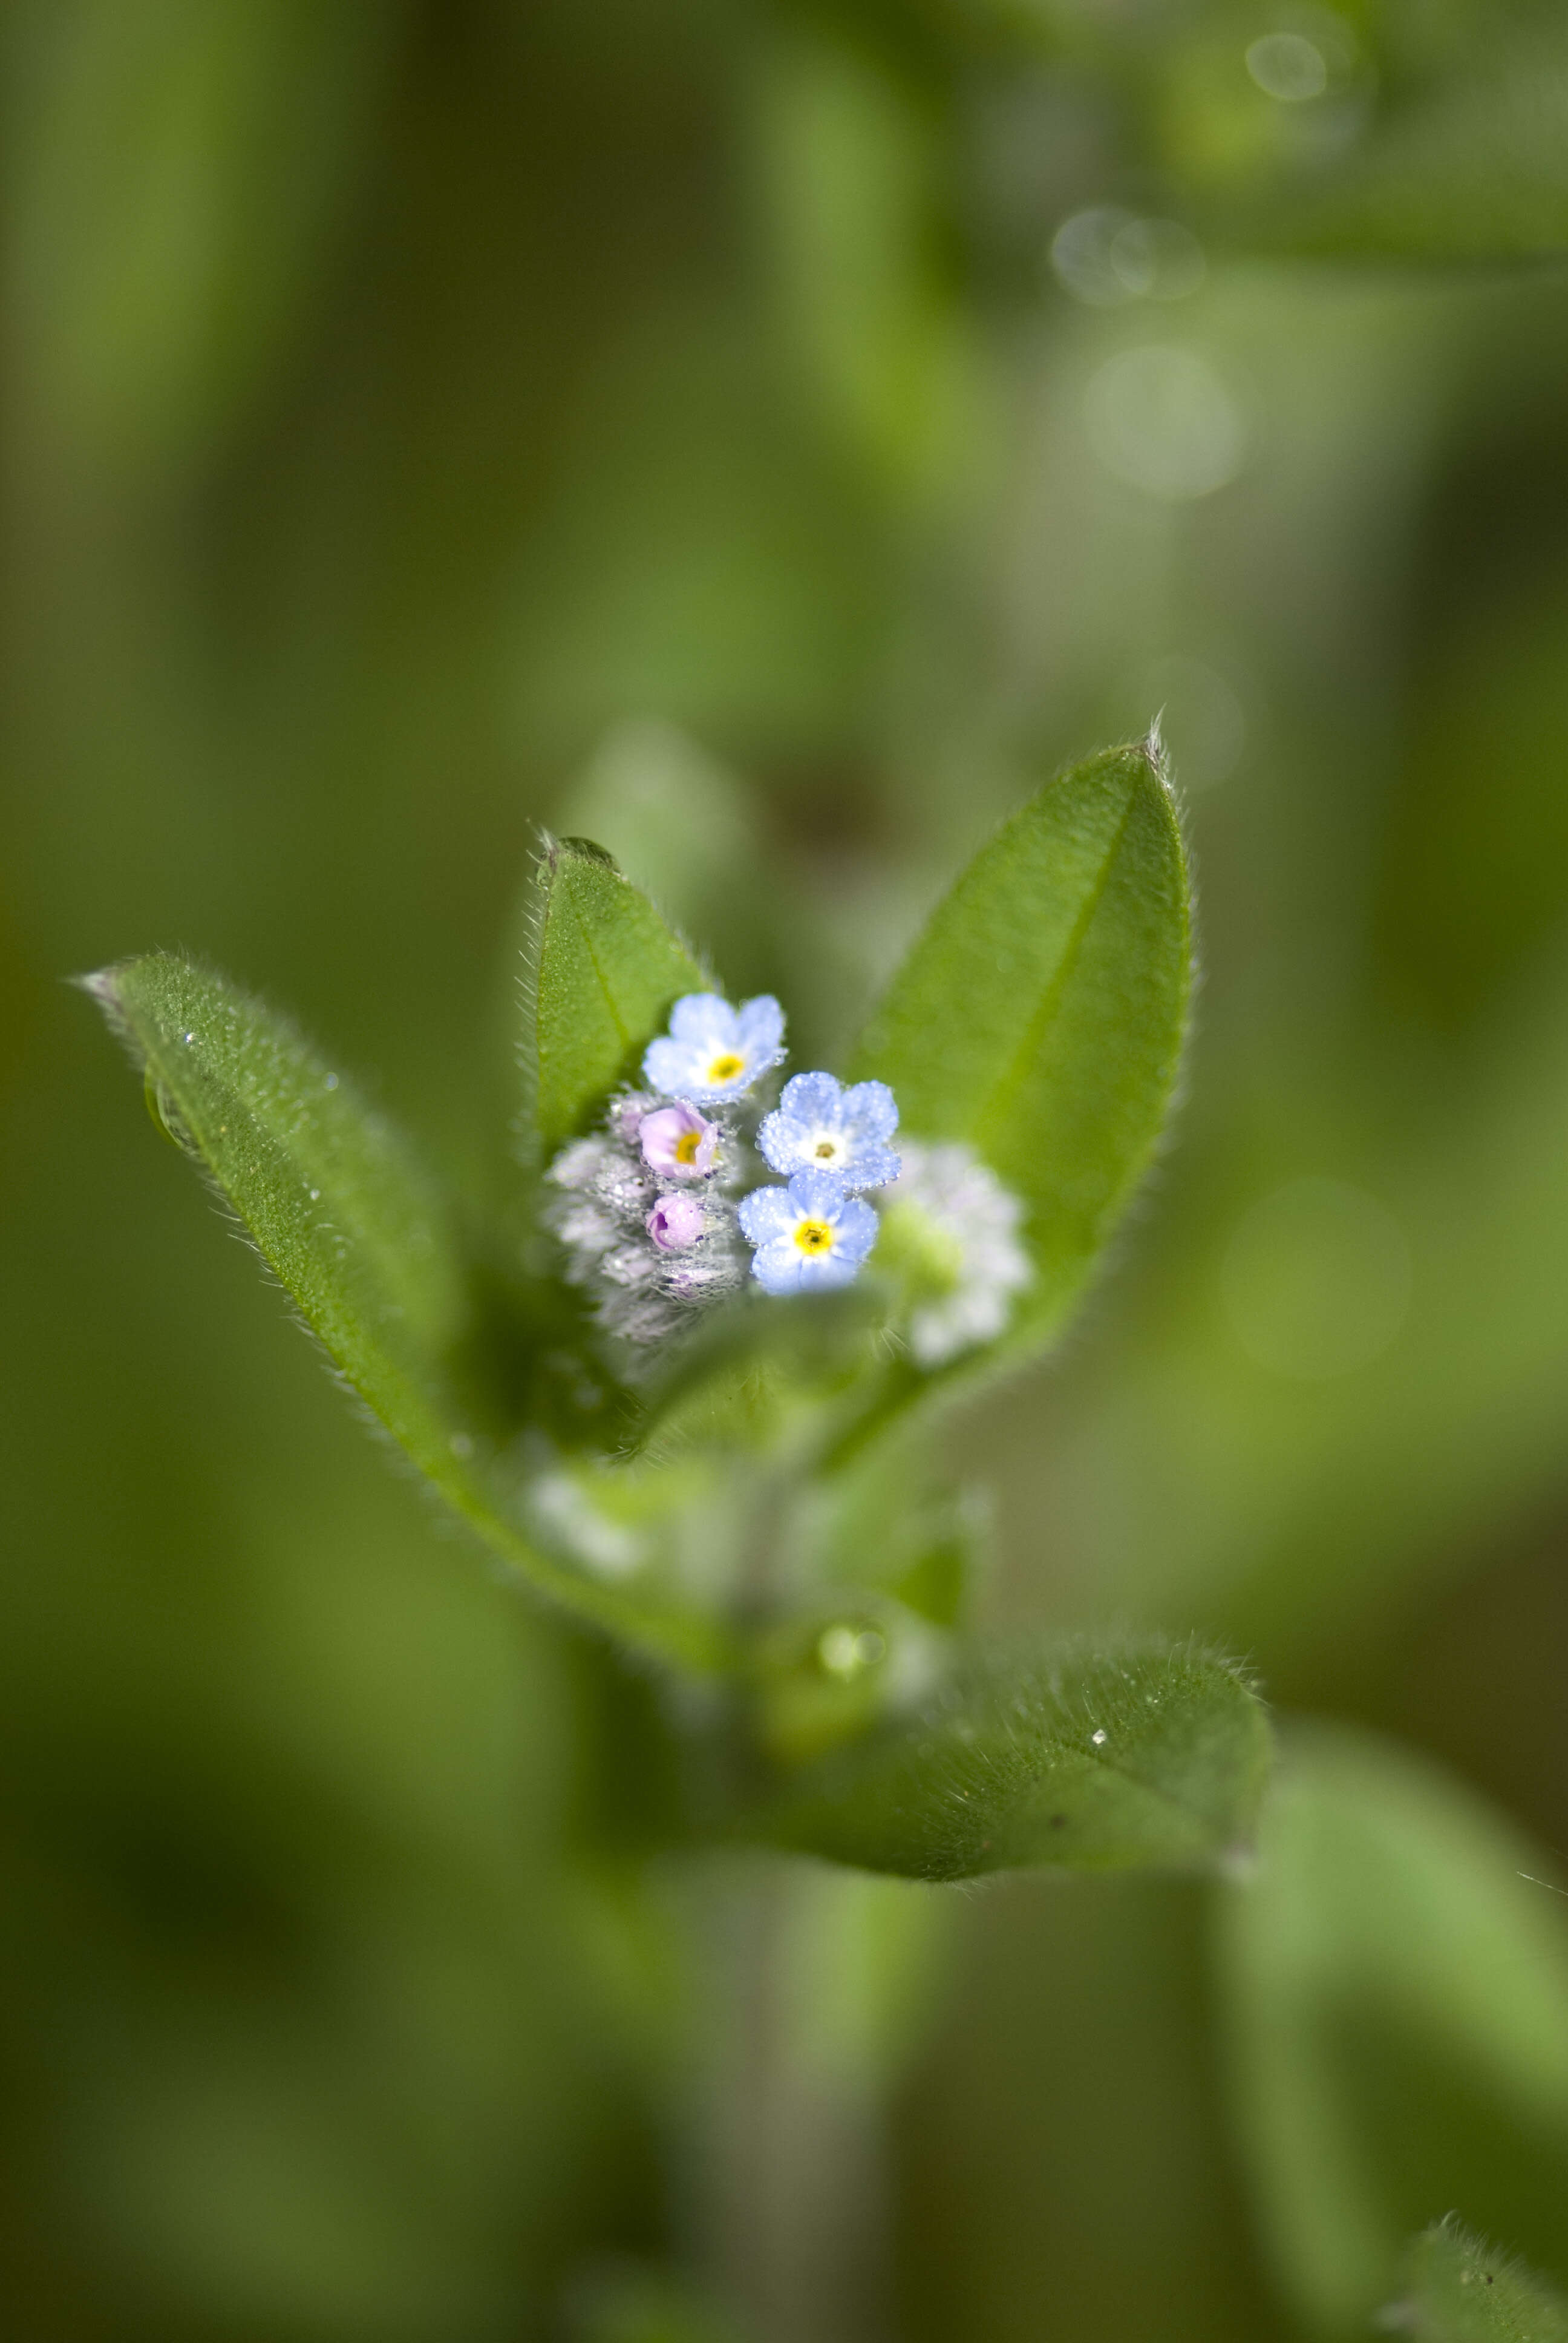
[
  {"x": 678, "y": 1143},
  {"x": 675, "y": 1222}
]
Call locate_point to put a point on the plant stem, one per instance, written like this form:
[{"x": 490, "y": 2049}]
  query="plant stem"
[{"x": 803, "y": 1975}]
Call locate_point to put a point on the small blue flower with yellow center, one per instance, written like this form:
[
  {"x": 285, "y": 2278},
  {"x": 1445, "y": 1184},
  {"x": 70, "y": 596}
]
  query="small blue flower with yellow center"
[
  {"x": 807, "y": 1237},
  {"x": 820, "y": 1126},
  {"x": 713, "y": 1052}
]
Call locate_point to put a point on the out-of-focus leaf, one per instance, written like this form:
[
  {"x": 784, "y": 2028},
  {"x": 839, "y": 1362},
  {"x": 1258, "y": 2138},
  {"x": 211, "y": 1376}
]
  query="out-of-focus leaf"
[
  {"x": 1398, "y": 2005},
  {"x": 602, "y": 971},
  {"x": 1461, "y": 2290},
  {"x": 853, "y": 174},
  {"x": 1040, "y": 1017},
  {"x": 190, "y": 176},
  {"x": 1082, "y": 1758},
  {"x": 361, "y": 1238}
]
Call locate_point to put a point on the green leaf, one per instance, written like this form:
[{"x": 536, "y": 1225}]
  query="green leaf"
[
  {"x": 601, "y": 974},
  {"x": 1396, "y": 1998},
  {"x": 363, "y": 1241},
  {"x": 1460, "y": 2289},
  {"x": 1081, "y": 1758},
  {"x": 1041, "y": 1015}
]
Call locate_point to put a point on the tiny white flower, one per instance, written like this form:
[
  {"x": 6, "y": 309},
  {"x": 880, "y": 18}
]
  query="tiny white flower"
[{"x": 949, "y": 1218}]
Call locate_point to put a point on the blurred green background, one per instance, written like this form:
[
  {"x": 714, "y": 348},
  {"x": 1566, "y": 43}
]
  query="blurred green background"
[{"x": 762, "y": 438}]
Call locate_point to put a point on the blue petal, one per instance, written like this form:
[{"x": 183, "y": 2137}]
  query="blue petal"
[
  {"x": 870, "y": 1167},
  {"x": 814, "y": 1098},
  {"x": 782, "y": 1140},
  {"x": 871, "y": 1107},
  {"x": 856, "y": 1233},
  {"x": 821, "y": 1195},
  {"x": 829, "y": 1269},
  {"x": 760, "y": 1023},
  {"x": 670, "y": 1066},
  {"x": 780, "y": 1266},
  {"x": 767, "y": 1214},
  {"x": 705, "y": 1021}
]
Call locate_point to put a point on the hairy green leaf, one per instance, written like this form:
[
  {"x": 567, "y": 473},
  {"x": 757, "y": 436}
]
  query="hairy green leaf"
[
  {"x": 602, "y": 971},
  {"x": 1041, "y": 1015},
  {"x": 1397, "y": 2003},
  {"x": 1460, "y": 2289},
  {"x": 362, "y": 1240},
  {"x": 1082, "y": 1758}
]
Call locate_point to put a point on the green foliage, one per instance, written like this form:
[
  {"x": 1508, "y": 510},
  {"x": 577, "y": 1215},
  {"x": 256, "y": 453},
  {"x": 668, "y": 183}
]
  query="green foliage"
[
  {"x": 360, "y": 1238},
  {"x": 1040, "y": 1017},
  {"x": 1461, "y": 2290},
  {"x": 350, "y": 1224},
  {"x": 602, "y": 972},
  {"x": 1081, "y": 1758},
  {"x": 1398, "y": 2001}
]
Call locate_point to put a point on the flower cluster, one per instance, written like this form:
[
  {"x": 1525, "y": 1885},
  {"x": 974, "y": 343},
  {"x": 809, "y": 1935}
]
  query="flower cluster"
[
  {"x": 655, "y": 1226},
  {"x": 953, "y": 1228}
]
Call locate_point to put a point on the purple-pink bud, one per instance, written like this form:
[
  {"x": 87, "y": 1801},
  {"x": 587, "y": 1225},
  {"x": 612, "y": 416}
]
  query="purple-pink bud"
[
  {"x": 678, "y": 1143},
  {"x": 626, "y": 1115},
  {"x": 675, "y": 1222}
]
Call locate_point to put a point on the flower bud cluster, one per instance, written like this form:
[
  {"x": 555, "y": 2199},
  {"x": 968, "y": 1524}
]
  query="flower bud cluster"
[
  {"x": 654, "y": 1226},
  {"x": 645, "y": 1218}
]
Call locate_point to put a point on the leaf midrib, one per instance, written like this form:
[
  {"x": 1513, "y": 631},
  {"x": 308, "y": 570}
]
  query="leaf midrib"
[
  {"x": 623, "y": 1033},
  {"x": 1012, "y": 1081}
]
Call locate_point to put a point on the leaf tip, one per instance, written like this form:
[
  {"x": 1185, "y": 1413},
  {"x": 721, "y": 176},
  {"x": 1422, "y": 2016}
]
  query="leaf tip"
[
  {"x": 1154, "y": 751},
  {"x": 100, "y": 982},
  {"x": 554, "y": 851},
  {"x": 103, "y": 985},
  {"x": 591, "y": 851}
]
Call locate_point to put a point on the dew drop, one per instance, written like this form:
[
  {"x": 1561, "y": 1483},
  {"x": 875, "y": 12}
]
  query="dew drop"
[
  {"x": 315, "y": 1195},
  {"x": 1098, "y": 1737},
  {"x": 332, "y": 1081},
  {"x": 844, "y": 1651},
  {"x": 461, "y": 1446}
]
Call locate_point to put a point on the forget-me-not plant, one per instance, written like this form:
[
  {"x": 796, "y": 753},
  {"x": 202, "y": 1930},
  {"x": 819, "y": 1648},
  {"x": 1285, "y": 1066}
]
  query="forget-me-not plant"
[{"x": 757, "y": 1512}]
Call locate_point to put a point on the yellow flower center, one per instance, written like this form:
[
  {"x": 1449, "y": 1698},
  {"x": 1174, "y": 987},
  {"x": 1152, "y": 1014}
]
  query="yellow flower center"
[
  {"x": 826, "y": 1150},
  {"x": 687, "y": 1145},
  {"x": 814, "y": 1236},
  {"x": 725, "y": 1068}
]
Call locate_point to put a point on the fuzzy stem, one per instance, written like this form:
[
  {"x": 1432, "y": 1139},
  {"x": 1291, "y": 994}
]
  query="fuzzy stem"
[{"x": 804, "y": 1978}]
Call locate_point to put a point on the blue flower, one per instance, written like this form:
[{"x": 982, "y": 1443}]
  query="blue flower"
[
  {"x": 809, "y": 1236},
  {"x": 820, "y": 1126},
  {"x": 714, "y": 1051}
]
